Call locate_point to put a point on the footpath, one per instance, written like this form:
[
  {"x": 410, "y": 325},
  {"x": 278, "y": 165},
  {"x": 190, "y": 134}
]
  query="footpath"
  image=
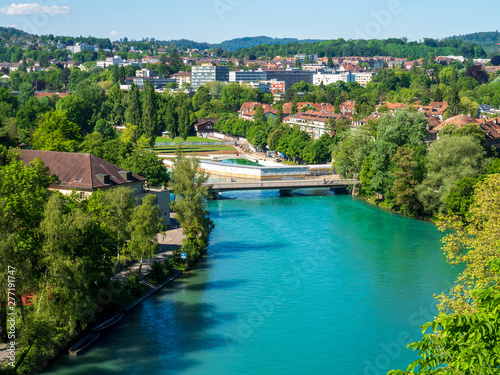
[{"x": 169, "y": 241}]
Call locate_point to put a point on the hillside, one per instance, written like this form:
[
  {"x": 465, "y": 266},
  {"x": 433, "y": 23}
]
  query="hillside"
[
  {"x": 487, "y": 40},
  {"x": 234, "y": 44}
]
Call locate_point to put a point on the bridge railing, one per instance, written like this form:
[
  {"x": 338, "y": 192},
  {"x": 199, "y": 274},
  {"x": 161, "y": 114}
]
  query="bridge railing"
[{"x": 284, "y": 184}]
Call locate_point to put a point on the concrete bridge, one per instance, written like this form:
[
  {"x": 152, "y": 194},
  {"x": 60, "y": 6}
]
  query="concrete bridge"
[{"x": 286, "y": 187}]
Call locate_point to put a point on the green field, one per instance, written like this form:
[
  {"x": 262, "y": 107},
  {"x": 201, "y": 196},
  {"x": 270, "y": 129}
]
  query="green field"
[{"x": 179, "y": 140}]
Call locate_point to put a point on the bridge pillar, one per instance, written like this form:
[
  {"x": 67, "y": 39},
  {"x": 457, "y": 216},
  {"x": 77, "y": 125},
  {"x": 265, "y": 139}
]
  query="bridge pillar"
[
  {"x": 286, "y": 193},
  {"x": 214, "y": 194}
]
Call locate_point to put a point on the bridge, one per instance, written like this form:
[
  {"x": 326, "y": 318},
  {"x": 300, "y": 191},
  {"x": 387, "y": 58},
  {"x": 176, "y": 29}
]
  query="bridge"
[{"x": 286, "y": 187}]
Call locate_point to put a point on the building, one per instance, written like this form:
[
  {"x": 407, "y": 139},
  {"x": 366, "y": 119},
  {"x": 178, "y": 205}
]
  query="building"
[
  {"x": 206, "y": 73},
  {"x": 146, "y": 73},
  {"x": 110, "y": 61},
  {"x": 274, "y": 86},
  {"x": 247, "y": 76},
  {"x": 363, "y": 78},
  {"x": 329, "y": 78},
  {"x": 205, "y": 127},
  {"x": 79, "y": 47},
  {"x": 315, "y": 123},
  {"x": 182, "y": 78},
  {"x": 85, "y": 174},
  {"x": 290, "y": 76},
  {"x": 302, "y": 57}
]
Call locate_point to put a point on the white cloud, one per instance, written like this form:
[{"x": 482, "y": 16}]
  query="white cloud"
[
  {"x": 13, "y": 26},
  {"x": 113, "y": 34},
  {"x": 32, "y": 8}
]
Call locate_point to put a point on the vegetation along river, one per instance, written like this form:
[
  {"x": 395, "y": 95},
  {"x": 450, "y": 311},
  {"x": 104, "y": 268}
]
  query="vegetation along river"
[{"x": 314, "y": 284}]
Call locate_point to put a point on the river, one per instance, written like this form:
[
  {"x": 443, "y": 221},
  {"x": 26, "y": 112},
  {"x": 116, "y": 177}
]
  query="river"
[{"x": 314, "y": 284}]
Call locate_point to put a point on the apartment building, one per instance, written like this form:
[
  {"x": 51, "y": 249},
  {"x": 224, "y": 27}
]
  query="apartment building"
[{"x": 208, "y": 73}]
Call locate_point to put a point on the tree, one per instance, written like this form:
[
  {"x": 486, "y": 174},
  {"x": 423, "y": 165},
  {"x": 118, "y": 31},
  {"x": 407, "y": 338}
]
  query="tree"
[
  {"x": 26, "y": 91},
  {"x": 133, "y": 111},
  {"x": 170, "y": 118},
  {"x": 405, "y": 128},
  {"x": 495, "y": 60},
  {"x": 94, "y": 97},
  {"x": 149, "y": 121},
  {"x": 478, "y": 73},
  {"x": 56, "y": 133},
  {"x": 462, "y": 343},
  {"x": 185, "y": 122},
  {"x": 450, "y": 159},
  {"x": 454, "y": 103},
  {"x": 460, "y": 198},
  {"x": 146, "y": 164},
  {"x": 330, "y": 62},
  {"x": 407, "y": 175},
  {"x": 144, "y": 225},
  {"x": 191, "y": 194},
  {"x": 75, "y": 109},
  {"x": 259, "y": 114}
]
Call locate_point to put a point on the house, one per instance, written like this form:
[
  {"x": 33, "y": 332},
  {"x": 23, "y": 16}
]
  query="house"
[
  {"x": 205, "y": 127},
  {"x": 315, "y": 123},
  {"x": 182, "y": 78},
  {"x": 85, "y": 174}
]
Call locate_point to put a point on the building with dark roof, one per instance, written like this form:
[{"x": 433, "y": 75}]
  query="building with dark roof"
[{"x": 86, "y": 173}]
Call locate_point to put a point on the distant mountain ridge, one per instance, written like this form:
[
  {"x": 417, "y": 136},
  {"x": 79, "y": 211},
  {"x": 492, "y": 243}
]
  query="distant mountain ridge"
[
  {"x": 237, "y": 43},
  {"x": 487, "y": 40}
]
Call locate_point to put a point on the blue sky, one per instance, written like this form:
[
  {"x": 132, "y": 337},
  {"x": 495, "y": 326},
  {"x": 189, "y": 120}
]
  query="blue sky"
[{"x": 218, "y": 20}]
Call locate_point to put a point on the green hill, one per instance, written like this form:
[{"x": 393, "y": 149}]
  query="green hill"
[{"x": 487, "y": 40}]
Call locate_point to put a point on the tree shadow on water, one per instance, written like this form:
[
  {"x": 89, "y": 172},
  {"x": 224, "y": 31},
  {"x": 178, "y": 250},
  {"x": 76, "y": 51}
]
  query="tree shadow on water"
[{"x": 156, "y": 338}]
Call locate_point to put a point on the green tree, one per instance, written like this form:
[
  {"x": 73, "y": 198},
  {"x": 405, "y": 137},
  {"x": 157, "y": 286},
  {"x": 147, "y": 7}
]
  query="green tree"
[
  {"x": 133, "y": 102},
  {"x": 449, "y": 160},
  {"x": 26, "y": 91},
  {"x": 185, "y": 122},
  {"x": 407, "y": 175},
  {"x": 149, "y": 121},
  {"x": 56, "y": 133},
  {"x": 144, "y": 225},
  {"x": 190, "y": 207},
  {"x": 454, "y": 103},
  {"x": 75, "y": 109},
  {"x": 146, "y": 164}
]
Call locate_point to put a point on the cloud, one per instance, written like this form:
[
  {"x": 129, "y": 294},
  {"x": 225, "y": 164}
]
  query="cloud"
[
  {"x": 113, "y": 34},
  {"x": 32, "y": 8}
]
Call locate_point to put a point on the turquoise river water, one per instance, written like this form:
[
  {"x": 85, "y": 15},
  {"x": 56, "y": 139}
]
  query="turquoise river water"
[{"x": 314, "y": 284}]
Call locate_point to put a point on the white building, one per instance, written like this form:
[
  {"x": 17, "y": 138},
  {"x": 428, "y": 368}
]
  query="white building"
[
  {"x": 247, "y": 76},
  {"x": 329, "y": 78},
  {"x": 363, "y": 78},
  {"x": 116, "y": 60}
]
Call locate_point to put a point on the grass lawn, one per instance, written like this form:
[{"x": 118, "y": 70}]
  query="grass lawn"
[
  {"x": 191, "y": 149},
  {"x": 179, "y": 140}
]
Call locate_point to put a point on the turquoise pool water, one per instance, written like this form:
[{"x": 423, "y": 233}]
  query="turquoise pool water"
[{"x": 240, "y": 162}]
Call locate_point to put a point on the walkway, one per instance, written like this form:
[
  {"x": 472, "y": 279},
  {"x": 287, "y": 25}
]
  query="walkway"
[{"x": 169, "y": 241}]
